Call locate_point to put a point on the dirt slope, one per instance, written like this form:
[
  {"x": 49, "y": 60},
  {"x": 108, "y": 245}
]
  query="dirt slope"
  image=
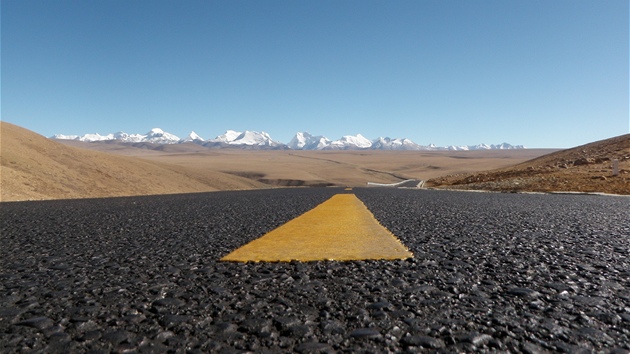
[
  {"x": 33, "y": 167},
  {"x": 586, "y": 168}
]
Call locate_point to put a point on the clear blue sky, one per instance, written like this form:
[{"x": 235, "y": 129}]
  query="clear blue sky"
[{"x": 539, "y": 73}]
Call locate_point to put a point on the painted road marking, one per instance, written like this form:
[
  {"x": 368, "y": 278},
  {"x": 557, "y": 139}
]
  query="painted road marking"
[{"x": 342, "y": 228}]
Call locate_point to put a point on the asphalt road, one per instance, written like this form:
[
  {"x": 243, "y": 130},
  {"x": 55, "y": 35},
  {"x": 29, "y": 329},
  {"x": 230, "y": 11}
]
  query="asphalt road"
[{"x": 491, "y": 272}]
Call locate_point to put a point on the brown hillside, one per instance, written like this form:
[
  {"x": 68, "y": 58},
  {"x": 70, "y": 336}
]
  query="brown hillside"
[
  {"x": 586, "y": 168},
  {"x": 33, "y": 167}
]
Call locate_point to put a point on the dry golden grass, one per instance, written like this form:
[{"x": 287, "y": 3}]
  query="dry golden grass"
[{"x": 33, "y": 167}]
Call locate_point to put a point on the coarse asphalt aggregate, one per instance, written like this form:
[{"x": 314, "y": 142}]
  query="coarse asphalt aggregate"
[{"x": 491, "y": 272}]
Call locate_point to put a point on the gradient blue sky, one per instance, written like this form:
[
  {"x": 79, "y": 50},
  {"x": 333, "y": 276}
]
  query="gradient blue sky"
[{"x": 539, "y": 73}]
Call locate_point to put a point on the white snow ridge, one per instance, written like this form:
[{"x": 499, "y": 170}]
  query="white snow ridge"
[
  {"x": 395, "y": 144},
  {"x": 351, "y": 142},
  {"x": 192, "y": 138},
  {"x": 226, "y": 137},
  {"x": 301, "y": 141},
  {"x": 158, "y": 136},
  {"x": 249, "y": 138},
  {"x": 306, "y": 141}
]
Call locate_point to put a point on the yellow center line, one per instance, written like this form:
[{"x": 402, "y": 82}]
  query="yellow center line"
[{"x": 341, "y": 228}]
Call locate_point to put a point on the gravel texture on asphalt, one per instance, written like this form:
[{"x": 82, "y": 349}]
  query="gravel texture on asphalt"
[{"x": 491, "y": 272}]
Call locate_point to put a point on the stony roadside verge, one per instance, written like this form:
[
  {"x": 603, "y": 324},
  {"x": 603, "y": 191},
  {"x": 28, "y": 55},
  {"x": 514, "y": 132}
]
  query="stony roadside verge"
[
  {"x": 491, "y": 272},
  {"x": 599, "y": 167}
]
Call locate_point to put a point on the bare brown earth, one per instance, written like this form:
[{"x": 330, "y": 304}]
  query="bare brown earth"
[
  {"x": 349, "y": 168},
  {"x": 586, "y": 168},
  {"x": 33, "y": 167}
]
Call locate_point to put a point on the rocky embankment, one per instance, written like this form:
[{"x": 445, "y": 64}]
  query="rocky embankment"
[{"x": 588, "y": 168}]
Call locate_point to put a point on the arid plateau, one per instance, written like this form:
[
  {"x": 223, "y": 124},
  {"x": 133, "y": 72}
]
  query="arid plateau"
[{"x": 33, "y": 167}]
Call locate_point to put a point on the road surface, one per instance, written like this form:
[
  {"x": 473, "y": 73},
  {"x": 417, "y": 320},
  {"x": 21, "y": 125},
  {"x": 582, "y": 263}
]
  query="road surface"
[{"x": 490, "y": 272}]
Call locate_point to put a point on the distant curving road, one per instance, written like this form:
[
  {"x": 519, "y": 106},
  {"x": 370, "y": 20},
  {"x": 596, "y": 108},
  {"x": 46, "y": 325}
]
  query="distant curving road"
[{"x": 491, "y": 272}]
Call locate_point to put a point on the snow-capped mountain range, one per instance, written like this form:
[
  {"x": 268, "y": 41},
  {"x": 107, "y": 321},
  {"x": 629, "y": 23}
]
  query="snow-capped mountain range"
[{"x": 253, "y": 139}]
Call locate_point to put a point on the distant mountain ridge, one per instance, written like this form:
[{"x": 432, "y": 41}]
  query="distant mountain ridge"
[{"x": 262, "y": 140}]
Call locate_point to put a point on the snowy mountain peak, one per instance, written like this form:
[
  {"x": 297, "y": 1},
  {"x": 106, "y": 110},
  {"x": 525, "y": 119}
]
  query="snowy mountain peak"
[
  {"x": 351, "y": 141},
  {"x": 159, "y": 136},
  {"x": 155, "y": 132},
  {"x": 192, "y": 137},
  {"x": 301, "y": 141},
  {"x": 254, "y": 138},
  {"x": 155, "y": 135},
  {"x": 306, "y": 141},
  {"x": 95, "y": 137},
  {"x": 65, "y": 137},
  {"x": 506, "y": 146},
  {"x": 226, "y": 137},
  {"x": 249, "y": 138},
  {"x": 395, "y": 144}
]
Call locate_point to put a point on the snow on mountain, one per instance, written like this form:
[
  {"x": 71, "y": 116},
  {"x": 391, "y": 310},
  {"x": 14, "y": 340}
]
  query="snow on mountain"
[
  {"x": 480, "y": 147},
  {"x": 301, "y": 141},
  {"x": 155, "y": 135},
  {"x": 395, "y": 144},
  {"x": 254, "y": 138},
  {"x": 226, "y": 137},
  {"x": 350, "y": 142},
  {"x": 65, "y": 137},
  {"x": 129, "y": 138},
  {"x": 158, "y": 136},
  {"x": 85, "y": 137},
  {"x": 504, "y": 146},
  {"x": 249, "y": 138},
  {"x": 192, "y": 138},
  {"x": 306, "y": 141}
]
